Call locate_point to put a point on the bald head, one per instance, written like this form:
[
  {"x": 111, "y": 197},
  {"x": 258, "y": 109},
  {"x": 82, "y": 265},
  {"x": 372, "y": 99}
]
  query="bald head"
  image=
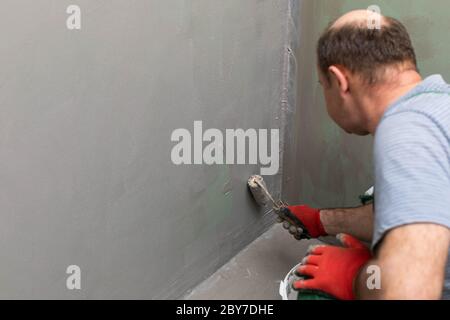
[
  {"x": 351, "y": 42},
  {"x": 358, "y": 18}
]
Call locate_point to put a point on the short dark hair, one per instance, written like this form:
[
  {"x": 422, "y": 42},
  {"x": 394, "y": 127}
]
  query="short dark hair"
[{"x": 366, "y": 51}]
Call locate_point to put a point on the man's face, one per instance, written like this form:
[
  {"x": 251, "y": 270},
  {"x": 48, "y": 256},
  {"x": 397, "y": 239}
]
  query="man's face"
[
  {"x": 333, "y": 101},
  {"x": 341, "y": 107}
]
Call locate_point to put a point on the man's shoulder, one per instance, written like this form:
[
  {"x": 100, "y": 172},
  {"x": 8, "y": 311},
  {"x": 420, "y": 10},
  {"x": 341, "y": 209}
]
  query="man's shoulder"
[
  {"x": 431, "y": 104},
  {"x": 427, "y": 112},
  {"x": 431, "y": 99},
  {"x": 413, "y": 130}
]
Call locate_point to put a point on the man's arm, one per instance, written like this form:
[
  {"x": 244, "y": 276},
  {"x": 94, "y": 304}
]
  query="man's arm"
[
  {"x": 355, "y": 221},
  {"x": 412, "y": 260},
  {"x": 322, "y": 222}
]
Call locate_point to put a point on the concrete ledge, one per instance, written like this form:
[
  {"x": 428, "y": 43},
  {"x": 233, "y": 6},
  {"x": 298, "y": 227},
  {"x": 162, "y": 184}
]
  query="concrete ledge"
[{"x": 255, "y": 272}]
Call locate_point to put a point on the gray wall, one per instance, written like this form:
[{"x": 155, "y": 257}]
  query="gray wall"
[
  {"x": 85, "y": 123},
  {"x": 324, "y": 166}
]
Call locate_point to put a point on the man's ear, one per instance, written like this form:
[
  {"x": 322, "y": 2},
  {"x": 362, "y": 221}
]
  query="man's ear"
[{"x": 340, "y": 77}]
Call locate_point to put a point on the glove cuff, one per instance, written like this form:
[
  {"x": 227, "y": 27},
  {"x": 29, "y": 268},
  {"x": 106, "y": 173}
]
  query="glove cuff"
[{"x": 320, "y": 227}]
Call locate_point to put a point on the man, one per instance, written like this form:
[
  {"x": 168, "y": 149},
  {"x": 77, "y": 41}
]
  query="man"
[{"x": 372, "y": 86}]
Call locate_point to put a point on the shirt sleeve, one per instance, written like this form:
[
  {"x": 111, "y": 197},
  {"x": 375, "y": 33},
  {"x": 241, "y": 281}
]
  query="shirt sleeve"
[{"x": 412, "y": 176}]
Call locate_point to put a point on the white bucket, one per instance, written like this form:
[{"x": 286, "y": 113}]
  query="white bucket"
[{"x": 286, "y": 290}]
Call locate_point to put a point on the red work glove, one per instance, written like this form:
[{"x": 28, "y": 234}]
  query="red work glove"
[
  {"x": 332, "y": 269},
  {"x": 306, "y": 218}
]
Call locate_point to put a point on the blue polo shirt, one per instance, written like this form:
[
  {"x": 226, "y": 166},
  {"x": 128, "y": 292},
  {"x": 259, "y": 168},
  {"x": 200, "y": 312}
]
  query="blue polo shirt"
[{"x": 412, "y": 161}]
